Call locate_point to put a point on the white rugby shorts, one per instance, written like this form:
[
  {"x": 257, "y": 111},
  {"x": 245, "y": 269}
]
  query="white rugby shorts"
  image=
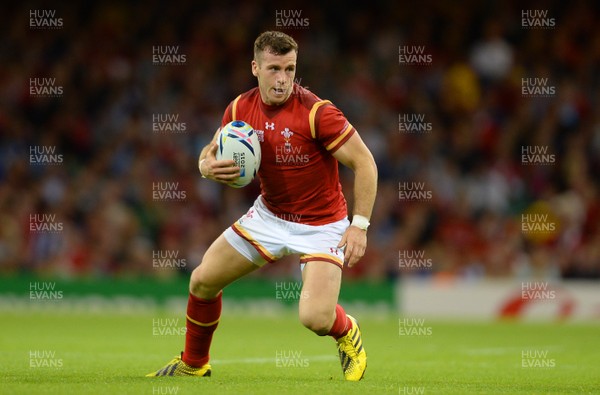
[{"x": 263, "y": 237}]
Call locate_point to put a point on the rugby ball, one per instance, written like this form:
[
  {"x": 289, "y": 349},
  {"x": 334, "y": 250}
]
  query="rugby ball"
[{"x": 238, "y": 141}]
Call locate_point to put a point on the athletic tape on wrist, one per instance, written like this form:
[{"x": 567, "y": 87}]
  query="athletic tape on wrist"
[{"x": 360, "y": 222}]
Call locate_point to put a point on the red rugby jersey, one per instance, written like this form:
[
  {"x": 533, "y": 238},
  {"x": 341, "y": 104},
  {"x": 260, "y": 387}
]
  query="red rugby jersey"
[{"x": 299, "y": 176}]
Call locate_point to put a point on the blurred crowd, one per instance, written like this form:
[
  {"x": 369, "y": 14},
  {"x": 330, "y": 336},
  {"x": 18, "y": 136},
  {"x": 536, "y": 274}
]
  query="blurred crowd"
[{"x": 102, "y": 217}]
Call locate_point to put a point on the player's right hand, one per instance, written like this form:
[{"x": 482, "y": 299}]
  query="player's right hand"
[{"x": 223, "y": 171}]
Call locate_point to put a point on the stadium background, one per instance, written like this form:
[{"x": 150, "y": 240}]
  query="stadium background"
[
  {"x": 94, "y": 269},
  {"x": 469, "y": 163}
]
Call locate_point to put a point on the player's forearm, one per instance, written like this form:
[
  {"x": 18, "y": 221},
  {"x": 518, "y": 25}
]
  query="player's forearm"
[{"x": 365, "y": 187}]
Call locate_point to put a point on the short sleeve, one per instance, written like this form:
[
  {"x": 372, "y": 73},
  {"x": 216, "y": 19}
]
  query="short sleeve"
[{"x": 333, "y": 129}]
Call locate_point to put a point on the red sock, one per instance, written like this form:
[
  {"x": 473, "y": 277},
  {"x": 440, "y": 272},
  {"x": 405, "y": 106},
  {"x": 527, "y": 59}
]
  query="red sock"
[
  {"x": 202, "y": 320},
  {"x": 341, "y": 325}
]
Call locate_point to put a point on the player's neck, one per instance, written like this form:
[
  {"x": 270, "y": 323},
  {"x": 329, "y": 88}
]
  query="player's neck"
[{"x": 269, "y": 109}]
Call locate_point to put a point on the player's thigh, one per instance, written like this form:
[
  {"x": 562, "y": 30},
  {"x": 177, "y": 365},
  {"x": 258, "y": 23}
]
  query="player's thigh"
[
  {"x": 221, "y": 265},
  {"x": 320, "y": 290}
]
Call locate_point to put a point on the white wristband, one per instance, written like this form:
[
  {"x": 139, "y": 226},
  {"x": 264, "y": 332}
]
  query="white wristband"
[
  {"x": 360, "y": 222},
  {"x": 200, "y": 168}
]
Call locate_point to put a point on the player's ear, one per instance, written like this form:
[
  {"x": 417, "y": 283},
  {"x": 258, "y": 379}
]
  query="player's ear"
[{"x": 254, "y": 68}]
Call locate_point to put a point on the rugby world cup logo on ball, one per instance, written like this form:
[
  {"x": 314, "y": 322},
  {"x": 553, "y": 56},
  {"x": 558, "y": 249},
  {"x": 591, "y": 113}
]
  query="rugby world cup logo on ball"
[{"x": 238, "y": 141}]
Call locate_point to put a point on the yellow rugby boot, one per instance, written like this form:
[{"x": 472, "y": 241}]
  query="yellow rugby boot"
[
  {"x": 176, "y": 367},
  {"x": 353, "y": 356}
]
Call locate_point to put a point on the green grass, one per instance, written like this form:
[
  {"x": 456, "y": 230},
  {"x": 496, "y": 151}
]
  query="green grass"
[{"x": 109, "y": 354}]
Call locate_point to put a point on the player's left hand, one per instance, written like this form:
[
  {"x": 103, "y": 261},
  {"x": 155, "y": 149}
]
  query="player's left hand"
[{"x": 355, "y": 241}]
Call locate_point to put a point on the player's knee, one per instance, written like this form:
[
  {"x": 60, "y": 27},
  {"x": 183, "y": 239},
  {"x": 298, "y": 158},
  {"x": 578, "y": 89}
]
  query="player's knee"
[
  {"x": 201, "y": 287},
  {"x": 320, "y": 323}
]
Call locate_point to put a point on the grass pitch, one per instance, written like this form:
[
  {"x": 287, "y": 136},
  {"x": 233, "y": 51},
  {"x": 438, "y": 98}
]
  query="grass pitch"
[{"x": 101, "y": 353}]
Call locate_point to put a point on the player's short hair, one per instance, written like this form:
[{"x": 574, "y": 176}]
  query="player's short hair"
[{"x": 277, "y": 43}]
